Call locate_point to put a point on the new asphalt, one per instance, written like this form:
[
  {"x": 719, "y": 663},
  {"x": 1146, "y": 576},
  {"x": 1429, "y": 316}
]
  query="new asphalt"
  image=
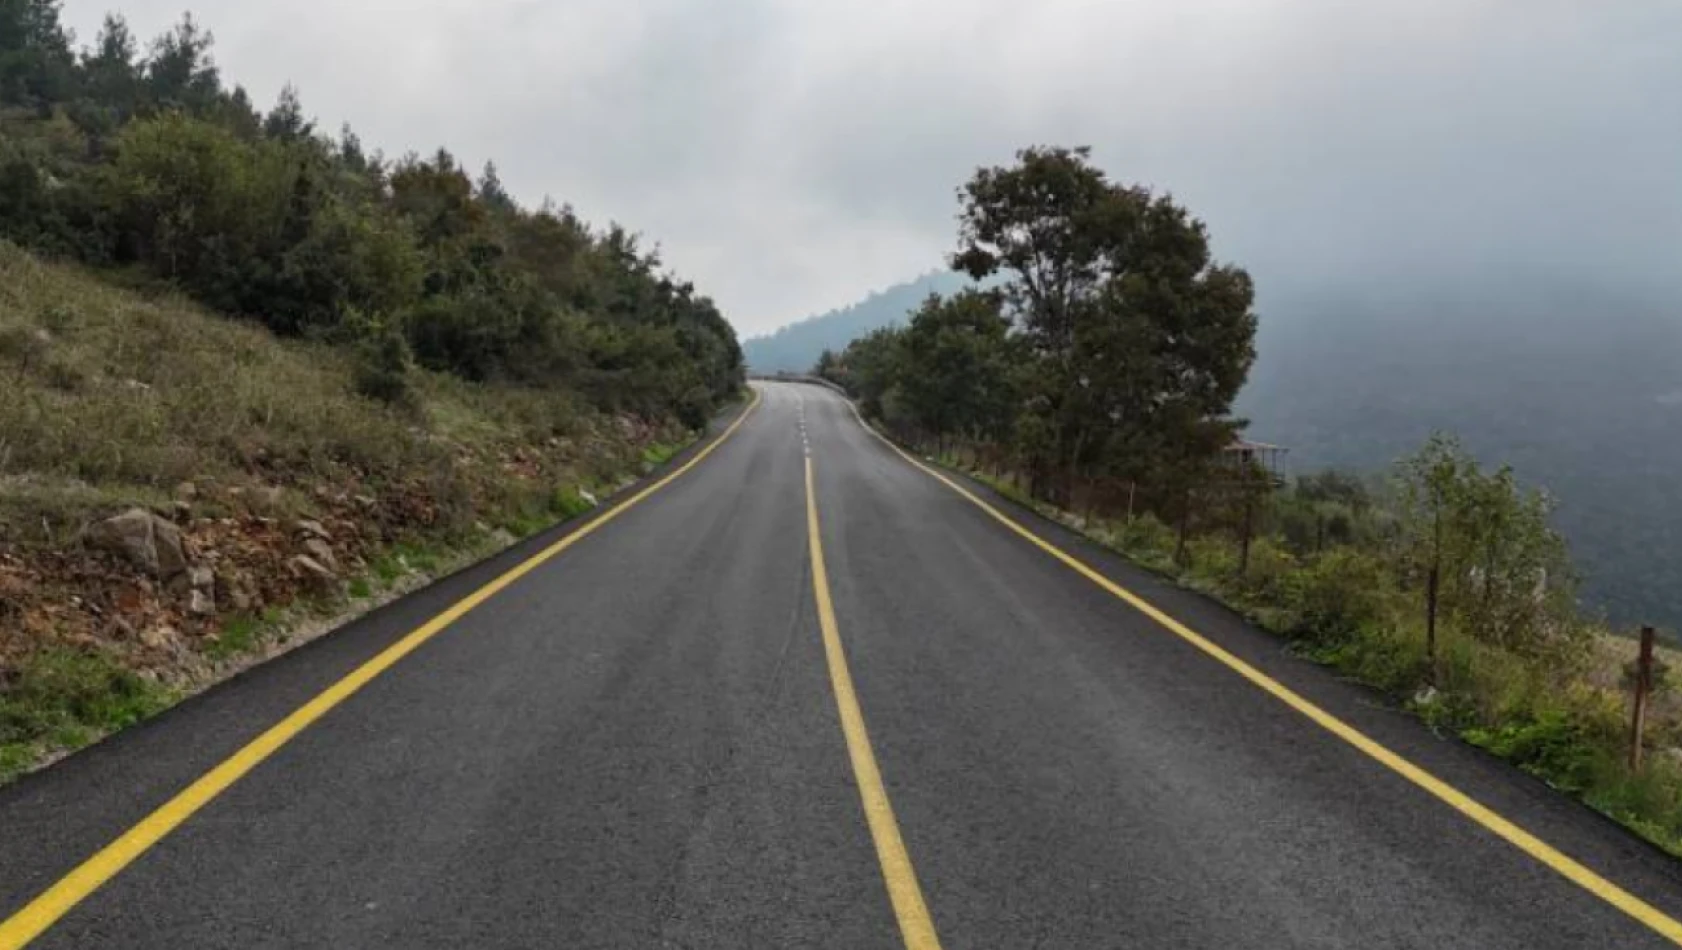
[{"x": 636, "y": 744}]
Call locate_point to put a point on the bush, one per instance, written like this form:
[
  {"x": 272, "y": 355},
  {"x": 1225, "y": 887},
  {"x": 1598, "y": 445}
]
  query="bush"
[
  {"x": 382, "y": 365},
  {"x": 1336, "y": 595}
]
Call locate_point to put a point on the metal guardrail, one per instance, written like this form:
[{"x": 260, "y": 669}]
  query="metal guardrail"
[{"x": 801, "y": 378}]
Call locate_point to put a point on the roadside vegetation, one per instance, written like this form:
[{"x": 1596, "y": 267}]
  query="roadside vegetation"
[
  {"x": 257, "y": 376},
  {"x": 1095, "y": 383}
]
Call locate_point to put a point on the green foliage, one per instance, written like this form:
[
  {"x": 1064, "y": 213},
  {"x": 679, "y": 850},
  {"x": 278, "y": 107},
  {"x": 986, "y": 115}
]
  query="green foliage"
[
  {"x": 1336, "y": 595},
  {"x": 569, "y": 502},
  {"x": 1111, "y": 347},
  {"x": 1505, "y": 576},
  {"x": 58, "y": 691},
  {"x": 382, "y": 365},
  {"x": 1552, "y": 743},
  {"x": 149, "y": 161}
]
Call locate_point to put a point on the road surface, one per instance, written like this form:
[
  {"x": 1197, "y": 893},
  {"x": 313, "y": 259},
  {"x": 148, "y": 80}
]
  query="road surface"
[{"x": 673, "y": 734}]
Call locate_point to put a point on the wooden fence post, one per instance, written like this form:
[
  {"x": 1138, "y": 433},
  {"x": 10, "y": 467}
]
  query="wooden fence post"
[{"x": 1643, "y": 687}]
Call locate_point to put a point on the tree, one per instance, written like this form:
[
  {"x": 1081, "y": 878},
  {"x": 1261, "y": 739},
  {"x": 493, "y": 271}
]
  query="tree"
[
  {"x": 957, "y": 377},
  {"x": 1140, "y": 340},
  {"x": 1484, "y": 549},
  {"x": 491, "y": 192},
  {"x": 111, "y": 76},
  {"x": 286, "y": 121},
  {"x": 36, "y": 65},
  {"x": 180, "y": 73}
]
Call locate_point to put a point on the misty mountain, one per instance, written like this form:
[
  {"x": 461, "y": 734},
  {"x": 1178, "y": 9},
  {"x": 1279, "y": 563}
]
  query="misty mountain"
[
  {"x": 1578, "y": 386},
  {"x": 795, "y": 348}
]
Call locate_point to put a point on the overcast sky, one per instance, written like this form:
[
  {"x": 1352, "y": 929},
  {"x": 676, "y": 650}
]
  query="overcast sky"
[{"x": 791, "y": 155}]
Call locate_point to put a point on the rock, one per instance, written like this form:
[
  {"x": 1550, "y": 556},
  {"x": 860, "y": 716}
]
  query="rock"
[
  {"x": 591, "y": 499},
  {"x": 365, "y": 501},
  {"x": 239, "y": 599},
  {"x": 310, "y": 528},
  {"x": 186, "y": 491},
  {"x": 201, "y": 603},
  {"x": 162, "y": 637},
  {"x": 310, "y": 569},
  {"x": 320, "y": 551},
  {"x": 502, "y": 537},
  {"x": 1426, "y": 696},
  {"x": 200, "y": 577},
  {"x": 180, "y": 510},
  {"x": 148, "y": 541}
]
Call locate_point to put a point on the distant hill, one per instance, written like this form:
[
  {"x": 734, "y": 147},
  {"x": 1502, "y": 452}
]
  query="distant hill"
[
  {"x": 1577, "y": 385},
  {"x": 795, "y": 348}
]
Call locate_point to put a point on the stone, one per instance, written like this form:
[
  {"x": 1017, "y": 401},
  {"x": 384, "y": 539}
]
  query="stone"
[
  {"x": 186, "y": 491},
  {"x": 200, "y": 602},
  {"x": 319, "y": 550},
  {"x": 149, "y": 542},
  {"x": 200, "y": 577},
  {"x": 310, "y": 528},
  {"x": 310, "y": 569},
  {"x": 162, "y": 637}
]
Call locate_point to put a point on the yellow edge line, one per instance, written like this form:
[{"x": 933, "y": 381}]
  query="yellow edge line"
[
  {"x": 916, "y": 927},
  {"x": 1569, "y": 868},
  {"x": 52, "y": 904}
]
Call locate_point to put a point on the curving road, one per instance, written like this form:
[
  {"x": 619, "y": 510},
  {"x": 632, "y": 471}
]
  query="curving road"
[{"x": 674, "y": 733}]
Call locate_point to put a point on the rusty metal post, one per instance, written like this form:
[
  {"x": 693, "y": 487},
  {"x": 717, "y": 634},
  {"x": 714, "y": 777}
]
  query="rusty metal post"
[
  {"x": 1643, "y": 688},
  {"x": 1431, "y": 581},
  {"x": 1249, "y": 530}
]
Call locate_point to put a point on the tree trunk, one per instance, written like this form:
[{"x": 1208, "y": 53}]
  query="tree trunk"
[
  {"x": 1431, "y": 581},
  {"x": 1185, "y": 526}
]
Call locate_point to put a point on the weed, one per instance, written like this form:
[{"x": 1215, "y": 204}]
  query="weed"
[
  {"x": 569, "y": 502},
  {"x": 74, "y": 695},
  {"x": 240, "y": 634}
]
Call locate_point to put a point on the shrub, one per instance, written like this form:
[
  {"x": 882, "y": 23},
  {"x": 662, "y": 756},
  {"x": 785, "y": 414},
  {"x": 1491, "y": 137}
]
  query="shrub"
[
  {"x": 1336, "y": 595},
  {"x": 382, "y": 365}
]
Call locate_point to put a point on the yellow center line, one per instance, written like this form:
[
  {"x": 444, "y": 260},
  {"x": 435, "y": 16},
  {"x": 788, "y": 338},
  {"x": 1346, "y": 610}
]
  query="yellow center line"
[
  {"x": 53, "y": 903},
  {"x": 1655, "y": 919},
  {"x": 916, "y": 927}
]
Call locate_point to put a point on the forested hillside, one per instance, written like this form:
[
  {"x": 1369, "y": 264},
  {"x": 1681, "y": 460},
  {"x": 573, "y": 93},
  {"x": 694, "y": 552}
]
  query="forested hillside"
[
  {"x": 796, "y": 347},
  {"x": 151, "y": 163},
  {"x": 1577, "y": 385}
]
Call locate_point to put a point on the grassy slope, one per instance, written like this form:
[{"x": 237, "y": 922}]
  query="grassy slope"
[{"x": 115, "y": 398}]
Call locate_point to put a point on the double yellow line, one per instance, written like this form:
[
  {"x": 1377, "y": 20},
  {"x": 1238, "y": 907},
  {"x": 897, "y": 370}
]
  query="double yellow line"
[
  {"x": 912, "y": 912},
  {"x": 45, "y": 910}
]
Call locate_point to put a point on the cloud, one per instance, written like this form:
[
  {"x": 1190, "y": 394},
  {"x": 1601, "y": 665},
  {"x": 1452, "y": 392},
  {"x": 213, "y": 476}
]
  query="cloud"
[{"x": 790, "y": 156}]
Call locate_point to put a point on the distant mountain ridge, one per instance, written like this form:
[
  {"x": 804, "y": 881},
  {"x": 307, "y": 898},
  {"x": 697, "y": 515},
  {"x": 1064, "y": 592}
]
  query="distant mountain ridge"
[
  {"x": 795, "y": 348},
  {"x": 1573, "y": 382}
]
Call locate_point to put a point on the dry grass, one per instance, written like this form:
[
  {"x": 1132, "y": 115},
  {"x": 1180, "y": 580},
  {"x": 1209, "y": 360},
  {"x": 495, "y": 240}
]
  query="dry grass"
[{"x": 113, "y": 397}]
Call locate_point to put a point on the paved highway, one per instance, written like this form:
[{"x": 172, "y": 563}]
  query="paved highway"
[{"x": 698, "y": 724}]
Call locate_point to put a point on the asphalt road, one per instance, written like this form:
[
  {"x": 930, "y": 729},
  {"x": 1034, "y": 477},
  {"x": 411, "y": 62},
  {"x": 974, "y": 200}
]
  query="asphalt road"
[{"x": 638, "y": 744}]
